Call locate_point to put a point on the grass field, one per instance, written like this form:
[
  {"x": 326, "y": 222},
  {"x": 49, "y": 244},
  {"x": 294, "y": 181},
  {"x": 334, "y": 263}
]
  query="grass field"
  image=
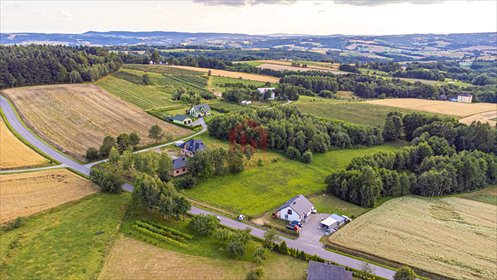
[
  {"x": 288, "y": 67},
  {"x": 260, "y": 189},
  {"x": 69, "y": 242},
  {"x": 487, "y": 195},
  {"x": 329, "y": 204},
  {"x": 229, "y": 74},
  {"x": 75, "y": 117},
  {"x": 451, "y": 236},
  {"x": 24, "y": 194},
  {"x": 217, "y": 83},
  {"x": 352, "y": 111},
  {"x": 435, "y": 106},
  {"x": 16, "y": 154}
]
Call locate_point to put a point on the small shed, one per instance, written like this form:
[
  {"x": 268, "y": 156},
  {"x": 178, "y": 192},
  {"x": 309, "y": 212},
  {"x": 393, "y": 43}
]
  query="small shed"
[{"x": 333, "y": 221}]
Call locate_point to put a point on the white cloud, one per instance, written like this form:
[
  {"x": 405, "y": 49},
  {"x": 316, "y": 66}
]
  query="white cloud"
[
  {"x": 64, "y": 14},
  {"x": 238, "y": 3},
  {"x": 158, "y": 9}
]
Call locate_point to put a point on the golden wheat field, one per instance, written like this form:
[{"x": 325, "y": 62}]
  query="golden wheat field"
[
  {"x": 14, "y": 154},
  {"x": 132, "y": 259},
  {"x": 75, "y": 117},
  {"x": 24, "y": 194},
  {"x": 230, "y": 74},
  {"x": 279, "y": 66},
  {"x": 435, "y": 106},
  {"x": 450, "y": 236}
]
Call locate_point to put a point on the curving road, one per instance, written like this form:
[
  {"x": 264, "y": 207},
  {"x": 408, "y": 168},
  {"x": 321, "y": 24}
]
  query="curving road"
[{"x": 299, "y": 244}]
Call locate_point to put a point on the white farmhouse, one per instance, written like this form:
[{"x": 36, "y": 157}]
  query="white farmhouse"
[
  {"x": 465, "y": 98},
  {"x": 263, "y": 91},
  {"x": 298, "y": 208}
]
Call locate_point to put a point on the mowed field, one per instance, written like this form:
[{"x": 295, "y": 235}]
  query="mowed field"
[
  {"x": 68, "y": 242},
  {"x": 358, "y": 112},
  {"x": 24, "y": 194},
  {"x": 230, "y": 74},
  {"x": 14, "y": 153},
  {"x": 451, "y": 236},
  {"x": 441, "y": 107},
  {"x": 75, "y": 117},
  {"x": 287, "y": 65}
]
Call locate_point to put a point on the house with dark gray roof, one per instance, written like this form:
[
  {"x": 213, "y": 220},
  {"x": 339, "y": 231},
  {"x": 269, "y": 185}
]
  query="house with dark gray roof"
[
  {"x": 190, "y": 147},
  {"x": 179, "y": 166},
  {"x": 181, "y": 119},
  {"x": 324, "y": 271},
  {"x": 298, "y": 208},
  {"x": 200, "y": 110}
]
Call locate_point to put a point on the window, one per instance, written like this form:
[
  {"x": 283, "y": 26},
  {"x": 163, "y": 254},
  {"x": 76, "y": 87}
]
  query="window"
[
  {"x": 289, "y": 212},
  {"x": 286, "y": 216},
  {"x": 177, "y": 171},
  {"x": 184, "y": 169}
]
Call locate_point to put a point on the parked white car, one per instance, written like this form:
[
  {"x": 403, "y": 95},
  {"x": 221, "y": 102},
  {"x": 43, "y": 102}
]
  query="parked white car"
[{"x": 241, "y": 217}]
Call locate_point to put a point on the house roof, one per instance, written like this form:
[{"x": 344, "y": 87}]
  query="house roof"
[
  {"x": 324, "y": 271},
  {"x": 193, "y": 145},
  {"x": 264, "y": 89},
  {"x": 465, "y": 95},
  {"x": 179, "y": 162},
  {"x": 180, "y": 117},
  {"x": 298, "y": 203},
  {"x": 198, "y": 107}
]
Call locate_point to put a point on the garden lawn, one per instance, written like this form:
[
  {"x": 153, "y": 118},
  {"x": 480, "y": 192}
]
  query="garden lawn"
[
  {"x": 325, "y": 203},
  {"x": 261, "y": 189},
  {"x": 63, "y": 243}
]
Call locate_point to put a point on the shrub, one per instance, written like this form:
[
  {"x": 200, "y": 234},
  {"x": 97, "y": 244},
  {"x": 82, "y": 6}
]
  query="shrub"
[
  {"x": 405, "y": 273},
  {"x": 92, "y": 154},
  {"x": 203, "y": 225},
  {"x": 306, "y": 157},
  {"x": 260, "y": 255},
  {"x": 185, "y": 182}
]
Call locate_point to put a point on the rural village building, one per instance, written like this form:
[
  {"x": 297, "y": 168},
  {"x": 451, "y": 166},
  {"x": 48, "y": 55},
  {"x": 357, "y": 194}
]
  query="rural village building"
[
  {"x": 297, "y": 208},
  {"x": 200, "y": 110},
  {"x": 179, "y": 166},
  {"x": 190, "y": 147},
  {"x": 181, "y": 119},
  {"x": 263, "y": 91},
  {"x": 325, "y": 271},
  {"x": 465, "y": 98}
]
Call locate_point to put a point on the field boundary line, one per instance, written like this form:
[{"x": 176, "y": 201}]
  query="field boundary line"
[{"x": 34, "y": 169}]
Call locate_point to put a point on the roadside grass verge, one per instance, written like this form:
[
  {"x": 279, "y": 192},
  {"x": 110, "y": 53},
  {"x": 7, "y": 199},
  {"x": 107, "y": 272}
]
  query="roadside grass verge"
[{"x": 70, "y": 241}]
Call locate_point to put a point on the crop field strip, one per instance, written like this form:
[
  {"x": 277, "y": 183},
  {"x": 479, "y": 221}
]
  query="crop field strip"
[
  {"x": 450, "y": 236},
  {"x": 24, "y": 194},
  {"x": 14, "y": 153},
  {"x": 230, "y": 74},
  {"x": 75, "y": 117}
]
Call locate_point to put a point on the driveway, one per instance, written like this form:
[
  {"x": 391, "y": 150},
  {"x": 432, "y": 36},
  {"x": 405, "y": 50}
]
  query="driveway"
[{"x": 311, "y": 231}]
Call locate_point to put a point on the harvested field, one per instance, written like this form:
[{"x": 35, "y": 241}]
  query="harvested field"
[
  {"x": 280, "y": 67},
  {"x": 435, "y": 106},
  {"x": 14, "y": 153},
  {"x": 450, "y": 236},
  {"x": 75, "y": 117},
  {"x": 24, "y": 194},
  {"x": 230, "y": 74},
  {"x": 487, "y": 117},
  {"x": 132, "y": 259}
]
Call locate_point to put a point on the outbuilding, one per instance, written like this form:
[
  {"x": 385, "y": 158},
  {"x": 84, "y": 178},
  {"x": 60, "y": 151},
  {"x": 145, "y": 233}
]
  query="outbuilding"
[
  {"x": 333, "y": 221},
  {"x": 325, "y": 271}
]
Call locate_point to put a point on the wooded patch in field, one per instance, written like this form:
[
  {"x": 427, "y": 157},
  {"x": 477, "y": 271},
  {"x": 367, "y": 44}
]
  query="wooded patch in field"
[
  {"x": 16, "y": 154},
  {"x": 75, "y": 117},
  {"x": 450, "y": 236},
  {"x": 24, "y": 194}
]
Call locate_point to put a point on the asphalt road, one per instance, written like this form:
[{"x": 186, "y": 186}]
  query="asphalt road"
[{"x": 257, "y": 232}]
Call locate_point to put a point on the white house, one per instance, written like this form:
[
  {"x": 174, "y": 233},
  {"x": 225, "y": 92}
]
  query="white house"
[
  {"x": 298, "y": 208},
  {"x": 465, "y": 98},
  {"x": 263, "y": 91}
]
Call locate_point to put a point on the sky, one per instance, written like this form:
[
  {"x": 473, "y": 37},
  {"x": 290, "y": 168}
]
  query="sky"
[{"x": 359, "y": 17}]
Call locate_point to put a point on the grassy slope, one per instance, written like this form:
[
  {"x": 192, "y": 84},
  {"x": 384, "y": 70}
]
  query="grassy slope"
[
  {"x": 216, "y": 82},
  {"x": 260, "y": 189},
  {"x": 63, "y": 243},
  {"x": 351, "y": 111},
  {"x": 487, "y": 195}
]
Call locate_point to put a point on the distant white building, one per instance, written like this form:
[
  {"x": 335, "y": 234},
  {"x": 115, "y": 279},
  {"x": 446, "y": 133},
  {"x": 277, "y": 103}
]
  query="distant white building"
[
  {"x": 263, "y": 91},
  {"x": 465, "y": 98},
  {"x": 246, "y": 102}
]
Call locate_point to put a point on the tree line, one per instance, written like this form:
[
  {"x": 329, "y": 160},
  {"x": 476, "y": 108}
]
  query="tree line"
[
  {"x": 44, "y": 64},
  {"x": 287, "y": 130},
  {"x": 431, "y": 166}
]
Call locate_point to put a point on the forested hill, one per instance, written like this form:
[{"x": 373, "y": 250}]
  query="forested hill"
[{"x": 42, "y": 64}]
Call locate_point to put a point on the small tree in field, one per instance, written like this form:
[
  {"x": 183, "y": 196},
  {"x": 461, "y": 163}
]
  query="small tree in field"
[
  {"x": 405, "y": 273},
  {"x": 92, "y": 154},
  {"x": 146, "y": 79},
  {"x": 155, "y": 132},
  {"x": 204, "y": 225}
]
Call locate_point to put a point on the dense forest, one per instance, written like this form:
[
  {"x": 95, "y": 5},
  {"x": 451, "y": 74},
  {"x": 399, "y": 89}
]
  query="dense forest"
[
  {"x": 42, "y": 64},
  {"x": 445, "y": 157},
  {"x": 291, "y": 132}
]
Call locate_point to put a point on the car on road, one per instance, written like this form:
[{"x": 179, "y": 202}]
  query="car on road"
[
  {"x": 218, "y": 217},
  {"x": 240, "y": 217}
]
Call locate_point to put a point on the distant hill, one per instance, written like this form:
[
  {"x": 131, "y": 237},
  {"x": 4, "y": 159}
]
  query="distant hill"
[{"x": 388, "y": 47}]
